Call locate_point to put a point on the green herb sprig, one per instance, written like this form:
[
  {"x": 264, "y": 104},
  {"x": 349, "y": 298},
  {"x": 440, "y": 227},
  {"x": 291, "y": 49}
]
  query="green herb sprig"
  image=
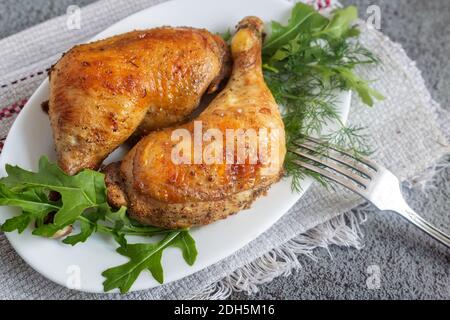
[
  {"x": 308, "y": 61},
  {"x": 82, "y": 202}
]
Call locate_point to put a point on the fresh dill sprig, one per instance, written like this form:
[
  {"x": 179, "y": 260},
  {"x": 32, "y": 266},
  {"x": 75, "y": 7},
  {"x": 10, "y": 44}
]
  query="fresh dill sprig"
[{"x": 306, "y": 63}]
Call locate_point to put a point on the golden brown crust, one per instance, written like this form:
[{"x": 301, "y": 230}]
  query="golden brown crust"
[
  {"x": 185, "y": 215},
  {"x": 102, "y": 91},
  {"x": 115, "y": 187},
  {"x": 224, "y": 52},
  {"x": 163, "y": 193}
]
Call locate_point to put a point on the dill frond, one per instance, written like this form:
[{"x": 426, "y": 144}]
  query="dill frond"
[{"x": 305, "y": 72}]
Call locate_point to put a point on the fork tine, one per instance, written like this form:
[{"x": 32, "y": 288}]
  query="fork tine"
[
  {"x": 364, "y": 160},
  {"x": 334, "y": 155},
  {"x": 332, "y": 176},
  {"x": 340, "y": 169}
]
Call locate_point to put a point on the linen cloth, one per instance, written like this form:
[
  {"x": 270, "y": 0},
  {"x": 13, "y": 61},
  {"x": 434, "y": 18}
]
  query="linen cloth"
[{"x": 408, "y": 130}]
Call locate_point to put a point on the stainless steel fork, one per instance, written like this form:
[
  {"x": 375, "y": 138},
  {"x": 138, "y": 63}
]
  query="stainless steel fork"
[{"x": 361, "y": 175}]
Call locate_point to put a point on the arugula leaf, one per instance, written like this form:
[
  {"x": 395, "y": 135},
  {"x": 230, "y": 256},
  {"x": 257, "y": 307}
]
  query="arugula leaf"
[
  {"x": 125, "y": 226},
  {"x": 356, "y": 83},
  {"x": 19, "y": 223},
  {"x": 302, "y": 16},
  {"x": 83, "y": 201},
  {"x": 78, "y": 193},
  {"x": 46, "y": 230},
  {"x": 33, "y": 203},
  {"x": 147, "y": 257},
  {"x": 88, "y": 226},
  {"x": 186, "y": 243},
  {"x": 340, "y": 23}
]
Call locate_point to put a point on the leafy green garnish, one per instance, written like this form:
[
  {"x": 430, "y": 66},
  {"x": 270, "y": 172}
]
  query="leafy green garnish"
[
  {"x": 306, "y": 62},
  {"x": 81, "y": 200},
  {"x": 34, "y": 204},
  {"x": 78, "y": 193},
  {"x": 302, "y": 17},
  {"x": 147, "y": 257},
  {"x": 339, "y": 26},
  {"x": 88, "y": 226}
]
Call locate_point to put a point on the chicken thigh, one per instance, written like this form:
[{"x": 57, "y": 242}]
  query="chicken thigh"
[
  {"x": 102, "y": 91},
  {"x": 162, "y": 192}
]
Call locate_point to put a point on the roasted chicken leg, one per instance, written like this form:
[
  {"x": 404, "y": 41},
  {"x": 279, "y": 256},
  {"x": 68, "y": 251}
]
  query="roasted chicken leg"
[
  {"x": 102, "y": 91},
  {"x": 162, "y": 193}
]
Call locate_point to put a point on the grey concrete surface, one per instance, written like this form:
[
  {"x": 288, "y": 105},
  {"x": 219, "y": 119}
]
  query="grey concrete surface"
[{"x": 411, "y": 265}]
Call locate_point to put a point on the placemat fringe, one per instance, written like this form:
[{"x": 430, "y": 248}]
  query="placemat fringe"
[{"x": 344, "y": 230}]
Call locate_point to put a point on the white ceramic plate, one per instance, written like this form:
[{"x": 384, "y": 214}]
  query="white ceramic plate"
[{"x": 31, "y": 136}]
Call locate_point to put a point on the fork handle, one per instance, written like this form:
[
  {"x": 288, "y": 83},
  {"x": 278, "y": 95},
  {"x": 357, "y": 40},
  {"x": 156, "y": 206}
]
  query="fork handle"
[{"x": 424, "y": 225}]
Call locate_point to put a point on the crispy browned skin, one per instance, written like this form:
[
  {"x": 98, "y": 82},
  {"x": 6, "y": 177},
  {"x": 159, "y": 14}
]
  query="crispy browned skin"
[
  {"x": 100, "y": 92},
  {"x": 159, "y": 192}
]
